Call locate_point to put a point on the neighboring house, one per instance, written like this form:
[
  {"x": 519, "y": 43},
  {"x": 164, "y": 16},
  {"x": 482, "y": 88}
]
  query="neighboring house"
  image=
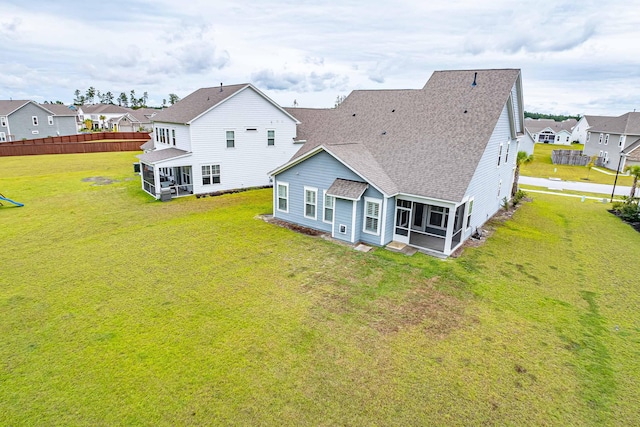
[
  {"x": 99, "y": 114},
  {"x": 217, "y": 139},
  {"x": 632, "y": 154},
  {"x": 548, "y": 131},
  {"x": 526, "y": 142},
  {"x": 423, "y": 167},
  {"x": 579, "y": 132},
  {"x": 125, "y": 123},
  {"x": 611, "y": 137},
  {"x": 30, "y": 120}
]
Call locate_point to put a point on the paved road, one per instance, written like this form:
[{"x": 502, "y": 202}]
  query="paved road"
[{"x": 586, "y": 187}]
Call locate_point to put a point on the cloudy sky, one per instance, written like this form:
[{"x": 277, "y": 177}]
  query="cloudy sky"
[{"x": 576, "y": 57}]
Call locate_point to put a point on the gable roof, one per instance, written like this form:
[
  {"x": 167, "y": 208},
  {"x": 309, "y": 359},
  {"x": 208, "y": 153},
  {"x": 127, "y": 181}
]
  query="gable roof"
[
  {"x": 103, "y": 109},
  {"x": 347, "y": 189},
  {"x": 538, "y": 125},
  {"x": 11, "y": 106},
  {"x": 426, "y": 142},
  {"x": 60, "y": 109},
  {"x": 626, "y": 124},
  {"x": 202, "y": 100},
  {"x": 157, "y": 156}
]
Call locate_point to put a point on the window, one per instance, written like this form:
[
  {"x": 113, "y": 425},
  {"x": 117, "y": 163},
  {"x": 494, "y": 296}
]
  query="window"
[
  {"x": 210, "y": 174},
  {"x": 157, "y": 132},
  {"x": 283, "y": 197},
  {"x": 606, "y": 139},
  {"x": 371, "y": 216},
  {"x": 601, "y": 136},
  {"x": 328, "y": 208},
  {"x": 588, "y": 136},
  {"x": 271, "y": 137},
  {"x": 173, "y": 136},
  {"x": 3, "y": 137},
  {"x": 35, "y": 120},
  {"x": 469, "y": 212},
  {"x": 506, "y": 155},
  {"x": 231, "y": 139},
  {"x": 3, "y": 121},
  {"x": 500, "y": 154},
  {"x": 50, "y": 120},
  {"x": 310, "y": 201},
  {"x": 606, "y": 156},
  {"x": 621, "y": 141},
  {"x": 438, "y": 216}
]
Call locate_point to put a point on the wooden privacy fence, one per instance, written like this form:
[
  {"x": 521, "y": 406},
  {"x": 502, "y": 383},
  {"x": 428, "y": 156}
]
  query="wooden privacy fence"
[
  {"x": 574, "y": 158},
  {"x": 81, "y": 143}
]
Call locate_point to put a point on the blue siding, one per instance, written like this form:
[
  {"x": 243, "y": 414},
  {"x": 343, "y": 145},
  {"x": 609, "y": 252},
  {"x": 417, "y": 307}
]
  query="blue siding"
[
  {"x": 390, "y": 220},
  {"x": 320, "y": 171},
  {"x": 343, "y": 215}
]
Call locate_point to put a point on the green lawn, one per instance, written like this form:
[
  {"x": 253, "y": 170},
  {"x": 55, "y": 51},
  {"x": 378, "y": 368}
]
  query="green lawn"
[
  {"x": 544, "y": 168},
  {"x": 120, "y": 310}
]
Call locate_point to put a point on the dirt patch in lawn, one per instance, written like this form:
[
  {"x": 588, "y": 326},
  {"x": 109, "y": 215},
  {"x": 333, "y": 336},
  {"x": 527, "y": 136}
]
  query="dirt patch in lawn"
[
  {"x": 295, "y": 227},
  {"x": 99, "y": 180}
]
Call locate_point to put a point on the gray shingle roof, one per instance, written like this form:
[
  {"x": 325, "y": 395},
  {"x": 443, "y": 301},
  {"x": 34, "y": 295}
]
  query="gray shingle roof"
[
  {"x": 626, "y": 124},
  {"x": 161, "y": 155},
  {"x": 426, "y": 142},
  {"x": 149, "y": 145},
  {"x": 60, "y": 109},
  {"x": 346, "y": 189},
  {"x": 7, "y": 107},
  {"x": 196, "y": 103},
  {"x": 103, "y": 109},
  {"x": 632, "y": 151}
]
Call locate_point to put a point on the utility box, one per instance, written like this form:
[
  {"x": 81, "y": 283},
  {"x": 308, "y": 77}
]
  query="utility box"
[{"x": 165, "y": 194}]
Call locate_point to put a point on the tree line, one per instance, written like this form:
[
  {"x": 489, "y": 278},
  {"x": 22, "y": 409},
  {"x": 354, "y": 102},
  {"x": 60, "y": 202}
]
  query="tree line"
[
  {"x": 93, "y": 96},
  {"x": 556, "y": 117}
]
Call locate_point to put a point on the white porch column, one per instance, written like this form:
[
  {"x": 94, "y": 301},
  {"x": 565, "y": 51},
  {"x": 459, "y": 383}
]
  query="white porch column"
[{"x": 449, "y": 235}]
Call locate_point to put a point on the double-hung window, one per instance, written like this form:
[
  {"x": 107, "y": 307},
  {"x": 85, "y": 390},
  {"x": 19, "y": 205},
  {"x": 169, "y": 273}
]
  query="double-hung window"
[
  {"x": 3, "y": 121},
  {"x": 3, "y": 137},
  {"x": 621, "y": 141},
  {"x": 310, "y": 202},
  {"x": 606, "y": 139},
  {"x": 371, "y": 216},
  {"x": 34, "y": 119},
  {"x": 506, "y": 155},
  {"x": 600, "y": 140},
  {"x": 283, "y": 197},
  {"x": 588, "y": 136},
  {"x": 210, "y": 174},
  {"x": 231, "y": 139},
  {"x": 328, "y": 208},
  {"x": 173, "y": 136},
  {"x": 271, "y": 137},
  {"x": 469, "y": 212},
  {"x": 500, "y": 154},
  {"x": 50, "y": 120}
]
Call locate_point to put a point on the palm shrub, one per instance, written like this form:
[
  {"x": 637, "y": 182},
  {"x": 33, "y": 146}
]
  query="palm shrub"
[{"x": 521, "y": 159}]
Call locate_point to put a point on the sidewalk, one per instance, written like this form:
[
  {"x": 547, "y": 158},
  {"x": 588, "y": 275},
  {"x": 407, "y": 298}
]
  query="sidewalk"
[{"x": 586, "y": 187}]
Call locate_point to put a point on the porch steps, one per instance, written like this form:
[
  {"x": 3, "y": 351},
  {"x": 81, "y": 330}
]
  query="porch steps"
[{"x": 401, "y": 247}]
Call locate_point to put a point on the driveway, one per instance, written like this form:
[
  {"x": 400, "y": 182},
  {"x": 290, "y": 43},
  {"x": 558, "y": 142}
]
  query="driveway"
[{"x": 586, "y": 187}]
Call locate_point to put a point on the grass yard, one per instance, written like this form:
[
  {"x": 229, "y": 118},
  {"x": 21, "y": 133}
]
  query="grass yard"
[
  {"x": 120, "y": 310},
  {"x": 544, "y": 168}
]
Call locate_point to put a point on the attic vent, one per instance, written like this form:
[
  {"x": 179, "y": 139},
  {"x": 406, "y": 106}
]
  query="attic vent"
[
  {"x": 393, "y": 111},
  {"x": 384, "y": 132},
  {"x": 354, "y": 114},
  {"x": 220, "y": 87},
  {"x": 251, "y": 129},
  {"x": 474, "y": 84}
]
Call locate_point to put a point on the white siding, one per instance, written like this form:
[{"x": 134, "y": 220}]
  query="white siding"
[
  {"x": 485, "y": 182},
  {"x": 516, "y": 108},
  {"x": 247, "y": 164}
]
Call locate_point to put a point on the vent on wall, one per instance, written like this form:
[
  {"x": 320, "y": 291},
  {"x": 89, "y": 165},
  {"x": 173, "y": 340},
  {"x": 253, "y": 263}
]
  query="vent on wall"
[{"x": 252, "y": 129}]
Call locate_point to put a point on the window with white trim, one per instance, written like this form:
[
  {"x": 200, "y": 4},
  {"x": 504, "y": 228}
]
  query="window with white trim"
[
  {"x": 327, "y": 214},
  {"x": 34, "y": 119},
  {"x": 469, "y": 212},
  {"x": 372, "y": 216},
  {"x": 210, "y": 174},
  {"x": 500, "y": 154},
  {"x": 173, "y": 136},
  {"x": 506, "y": 155},
  {"x": 3, "y": 121},
  {"x": 271, "y": 137},
  {"x": 606, "y": 139},
  {"x": 606, "y": 156},
  {"x": 50, "y": 120},
  {"x": 310, "y": 202},
  {"x": 621, "y": 141},
  {"x": 601, "y": 137},
  {"x": 231, "y": 139},
  {"x": 499, "y": 189},
  {"x": 601, "y": 153},
  {"x": 283, "y": 197},
  {"x": 3, "y": 137},
  {"x": 588, "y": 136}
]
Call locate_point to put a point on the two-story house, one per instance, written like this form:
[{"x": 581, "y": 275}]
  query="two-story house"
[
  {"x": 30, "y": 120},
  {"x": 217, "y": 139},
  {"x": 420, "y": 167},
  {"x": 609, "y": 138}
]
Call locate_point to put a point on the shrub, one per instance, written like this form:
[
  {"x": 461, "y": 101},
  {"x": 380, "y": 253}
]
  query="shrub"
[{"x": 517, "y": 198}]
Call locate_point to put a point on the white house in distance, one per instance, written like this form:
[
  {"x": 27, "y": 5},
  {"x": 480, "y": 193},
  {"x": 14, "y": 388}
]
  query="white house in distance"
[
  {"x": 217, "y": 139},
  {"x": 419, "y": 167},
  {"x": 548, "y": 131}
]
